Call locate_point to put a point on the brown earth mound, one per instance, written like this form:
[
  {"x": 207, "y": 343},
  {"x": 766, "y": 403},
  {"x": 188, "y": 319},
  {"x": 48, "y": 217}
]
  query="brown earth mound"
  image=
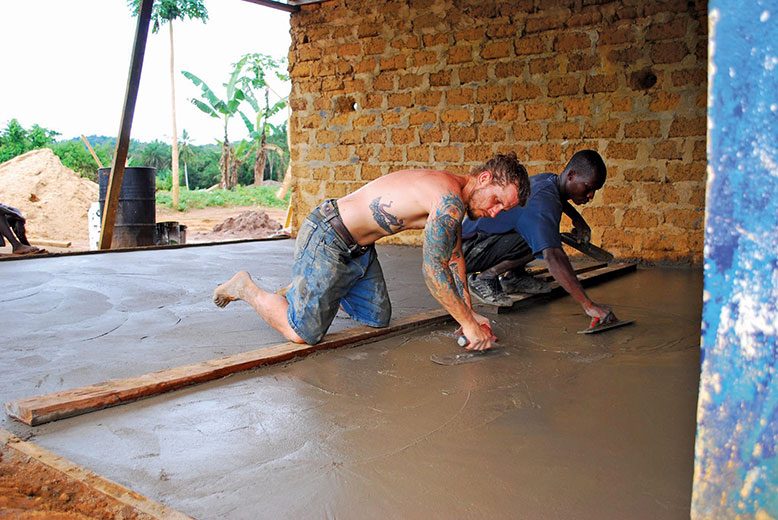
[
  {"x": 53, "y": 198},
  {"x": 248, "y": 224}
]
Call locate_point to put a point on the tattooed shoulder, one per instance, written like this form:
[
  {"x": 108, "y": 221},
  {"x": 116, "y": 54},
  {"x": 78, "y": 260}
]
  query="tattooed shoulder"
[{"x": 384, "y": 218}]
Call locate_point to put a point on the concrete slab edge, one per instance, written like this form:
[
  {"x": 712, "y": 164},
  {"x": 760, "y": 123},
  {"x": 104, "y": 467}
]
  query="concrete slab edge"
[{"x": 90, "y": 479}]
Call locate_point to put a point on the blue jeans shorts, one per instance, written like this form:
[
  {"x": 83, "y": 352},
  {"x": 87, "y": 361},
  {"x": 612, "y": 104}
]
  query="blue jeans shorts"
[{"x": 325, "y": 276}]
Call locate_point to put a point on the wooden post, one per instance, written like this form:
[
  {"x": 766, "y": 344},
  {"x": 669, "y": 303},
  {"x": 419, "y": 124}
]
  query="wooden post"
[{"x": 123, "y": 141}]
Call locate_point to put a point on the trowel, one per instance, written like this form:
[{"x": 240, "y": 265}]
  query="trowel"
[
  {"x": 610, "y": 321},
  {"x": 586, "y": 248},
  {"x": 469, "y": 356}
]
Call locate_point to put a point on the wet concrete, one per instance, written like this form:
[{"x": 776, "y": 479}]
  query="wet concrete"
[{"x": 565, "y": 426}]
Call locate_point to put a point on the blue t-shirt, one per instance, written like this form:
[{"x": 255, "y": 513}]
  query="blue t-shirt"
[{"x": 537, "y": 221}]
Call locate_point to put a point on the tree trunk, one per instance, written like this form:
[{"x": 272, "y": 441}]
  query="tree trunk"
[
  {"x": 224, "y": 162},
  {"x": 174, "y": 142},
  {"x": 260, "y": 160}
]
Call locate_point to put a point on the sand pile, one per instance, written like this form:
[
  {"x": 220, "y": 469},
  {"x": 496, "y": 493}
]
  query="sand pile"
[
  {"x": 53, "y": 198},
  {"x": 249, "y": 224}
]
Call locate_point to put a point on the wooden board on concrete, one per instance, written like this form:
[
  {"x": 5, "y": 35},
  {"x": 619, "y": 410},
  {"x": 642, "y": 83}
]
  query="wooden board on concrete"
[
  {"x": 68, "y": 403},
  {"x": 138, "y": 504}
]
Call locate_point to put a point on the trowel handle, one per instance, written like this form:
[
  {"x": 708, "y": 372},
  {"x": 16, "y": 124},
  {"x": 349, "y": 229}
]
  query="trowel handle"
[{"x": 462, "y": 340}]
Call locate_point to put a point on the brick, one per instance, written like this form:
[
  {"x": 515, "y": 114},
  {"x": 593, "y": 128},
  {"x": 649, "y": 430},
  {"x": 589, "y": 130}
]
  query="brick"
[
  {"x": 626, "y": 57},
  {"x": 349, "y": 49},
  {"x": 667, "y": 30},
  {"x": 645, "y": 174},
  {"x": 460, "y": 96},
  {"x": 340, "y": 154},
  {"x": 577, "y": 107},
  {"x": 617, "y": 35},
  {"x": 475, "y": 73},
  {"x": 432, "y": 40},
  {"x": 420, "y": 154},
  {"x": 527, "y": 132},
  {"x": 523, "y": 91},
  {"x": 308, "y": 52},
  {"x": 505, "y": 112},
  {"x": 564, "y": 130},
  {"x": 325, "y": 137},
  {"x": 462, "y": 134},
  {"x": 315, "y": 153},
  {"x": 543, "y": 65},
  {"x": 678, "y": 171},
  {"x": 399, "y": 100},
  {"x": 699, "y": 152},
  {"x": 478, "y": 153},
  {"x": 527, "y": 45},
  {"x": 420, "y": 118},
  {"x": 502, "y": 28},
  {"x": 321, "y": 174},
  {"x": 403, "y": 135},
  {"x": 621, "y": 151},
  {"x": 667, "y": 149},
  {"x": 665, "y": 241},
  {"x": 546, "y": 20},
  {"x": 689, "y": 77},
  {"x": 331, "y": 84},
  {"x": 498, "y": 49},
  {"x": 545, "y": 152},
  {"x": 657, "y": 193},
  {"x": 430, "y": 135},
  {"x": 587, "y": 16},
  {"x": 393, "y": 117},
  {"x": 365, "y": 152},
  {"x": 578, "y": 62},
  {"x": 663, "y": 101},
  {"x": 572, "y": 41},
  {"x": 458, "y": 115},
  {"x": 365, "y": 121},
  {"x": 639, "y": 218},
  {"x": 491, "y": 94},
  {"x": 407, "y": 41},
  {"x": 667, "y": 6},
  {"x": 564, "y": 86},
  {"x": 616, "y": 194},
  {"x": 391, "y": 154},
  {"x": 460, "y": 54},
  {"x": 601, "y": 83},
  {"x": 384, "y": 82},
  {"x": 685, "y": 218},
  {"x": 440, "y": 79},
  {"x": 374, "y": 46},
  {"x": 469, "y": 35},
  {"x": 350, "y": 137},
  {"x": 428, "y": 98},
  {"x": 394, "y": 63},
  {"x": 451, "y": 154},
  {"x": 598, "y": 216},
  {"x": 375, "y": 137},
  {"x": 374, "y": 101},
  {"x": 370, "y": 172},
  {"x": 683, "y": 127},
  {"x": 669, "y": 52},
  {"x": 366, "y": 65},
  {"x": 420, "y": 58},
  {"x": 510, "y": 69},
  {"x": 411, "y": 80},
  {"x": 621, "y": 104},
  {"x": 644, "y": 128},
  {"x": 543, "y": 111},
  {"x": 491, "y": 133}
]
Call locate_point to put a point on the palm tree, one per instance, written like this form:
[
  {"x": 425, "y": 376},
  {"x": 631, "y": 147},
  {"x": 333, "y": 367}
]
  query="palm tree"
[
  {"x": 186, "y": 153},
  {"x": 258, "y": 66},
  {"x": 165, "y": 11},
  {"x": 223, "y": 109}
]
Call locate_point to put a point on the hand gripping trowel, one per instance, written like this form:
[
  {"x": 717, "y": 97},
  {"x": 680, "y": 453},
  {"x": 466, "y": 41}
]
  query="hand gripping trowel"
[
  {"x": 469, "y": 356},
  {"x": 610, "y": 321}
]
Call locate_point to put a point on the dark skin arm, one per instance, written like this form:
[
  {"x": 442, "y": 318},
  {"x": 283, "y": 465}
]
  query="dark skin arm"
[
  {"x": 560, "y": 268},
  {"x": 581, "y": 229}
]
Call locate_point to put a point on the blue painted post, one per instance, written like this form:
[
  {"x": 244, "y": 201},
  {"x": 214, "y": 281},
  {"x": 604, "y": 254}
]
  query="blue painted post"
[{"x": 736, "y": 469}]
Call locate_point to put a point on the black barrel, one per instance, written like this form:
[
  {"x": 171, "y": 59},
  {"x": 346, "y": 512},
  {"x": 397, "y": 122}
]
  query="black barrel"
[{"x": 136, "y": 214}]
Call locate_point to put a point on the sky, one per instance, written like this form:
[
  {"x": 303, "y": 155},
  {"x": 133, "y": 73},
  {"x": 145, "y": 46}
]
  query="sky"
[{"x": 64, "y": 65}]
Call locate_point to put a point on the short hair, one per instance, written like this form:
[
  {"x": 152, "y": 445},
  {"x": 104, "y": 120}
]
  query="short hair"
[
  {"x": 588, "y": 163},
  {"x": 506, "y": 169}
]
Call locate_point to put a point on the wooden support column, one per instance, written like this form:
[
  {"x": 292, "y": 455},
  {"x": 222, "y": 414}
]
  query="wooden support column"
[{"x": 123, "y": 140}]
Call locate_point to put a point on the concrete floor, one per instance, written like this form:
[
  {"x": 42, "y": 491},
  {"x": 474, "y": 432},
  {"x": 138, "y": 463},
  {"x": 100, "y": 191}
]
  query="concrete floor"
[{"x": 565, "y": 426}]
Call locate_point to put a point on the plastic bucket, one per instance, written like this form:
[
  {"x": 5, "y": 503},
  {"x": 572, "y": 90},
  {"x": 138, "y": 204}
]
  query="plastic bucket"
[{"x": 136, "y": 213}]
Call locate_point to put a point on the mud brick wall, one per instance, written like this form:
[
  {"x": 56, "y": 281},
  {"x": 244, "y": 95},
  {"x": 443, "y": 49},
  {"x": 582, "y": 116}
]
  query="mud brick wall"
[{"x": 382, "y": 86}]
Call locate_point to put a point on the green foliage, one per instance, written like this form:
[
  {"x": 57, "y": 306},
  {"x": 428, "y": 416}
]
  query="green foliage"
[
  {"x": 164, "y": 11},
  {"x": 15, "y": 140},
  {"x": 241, "y": 196},
  {"x": 75, "y": 156}
]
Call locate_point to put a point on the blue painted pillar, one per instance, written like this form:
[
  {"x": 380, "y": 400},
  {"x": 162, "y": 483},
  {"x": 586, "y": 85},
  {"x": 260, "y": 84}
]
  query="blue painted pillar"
[{"x": 736, "y": 468}]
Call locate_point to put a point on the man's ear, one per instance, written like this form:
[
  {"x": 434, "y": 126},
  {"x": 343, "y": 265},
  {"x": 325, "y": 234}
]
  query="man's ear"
[{"x": 485, "y": 177}]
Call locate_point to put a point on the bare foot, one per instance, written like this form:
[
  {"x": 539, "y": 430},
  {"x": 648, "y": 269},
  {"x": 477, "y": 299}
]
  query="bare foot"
[
  {"x": 232, "y": 289},
  {"x": 27, "y": 250}
]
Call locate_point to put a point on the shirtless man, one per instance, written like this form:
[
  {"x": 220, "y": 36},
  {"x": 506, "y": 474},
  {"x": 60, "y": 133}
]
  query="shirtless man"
[{"x": 335, "y": 261}]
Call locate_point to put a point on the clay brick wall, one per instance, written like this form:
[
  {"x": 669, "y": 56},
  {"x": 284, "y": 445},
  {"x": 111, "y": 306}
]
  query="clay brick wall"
[{"x": 382, "y": 86}]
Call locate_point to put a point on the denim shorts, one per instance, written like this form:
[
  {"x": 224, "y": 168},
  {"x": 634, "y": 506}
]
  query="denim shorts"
[{"x": 325, "y": 276}]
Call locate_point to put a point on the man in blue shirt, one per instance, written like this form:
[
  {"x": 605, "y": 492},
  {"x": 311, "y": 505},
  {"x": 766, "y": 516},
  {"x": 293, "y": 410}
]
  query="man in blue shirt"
[{"x": 504, "y": 244}]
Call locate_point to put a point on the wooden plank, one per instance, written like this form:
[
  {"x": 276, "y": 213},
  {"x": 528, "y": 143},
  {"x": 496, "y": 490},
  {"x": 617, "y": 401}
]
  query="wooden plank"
[
  {"x": 68, "y": 403},
  {"x": 71, "y": 471},
  {"x": 50, "y": 243},
  {"x": 123, "y": 141}
]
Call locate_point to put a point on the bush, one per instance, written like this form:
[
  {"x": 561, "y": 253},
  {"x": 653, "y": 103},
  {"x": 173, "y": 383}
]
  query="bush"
[{"x": 264, "y": 196}]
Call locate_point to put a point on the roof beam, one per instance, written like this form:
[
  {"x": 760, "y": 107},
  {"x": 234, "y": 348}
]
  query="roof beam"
[{"x": 276, "y": 5}]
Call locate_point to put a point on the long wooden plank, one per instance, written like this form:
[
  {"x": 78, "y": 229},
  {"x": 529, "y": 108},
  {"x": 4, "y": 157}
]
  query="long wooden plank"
[
  {"x": 71, "y": 471},
  {"x": 68, "y": 403}
]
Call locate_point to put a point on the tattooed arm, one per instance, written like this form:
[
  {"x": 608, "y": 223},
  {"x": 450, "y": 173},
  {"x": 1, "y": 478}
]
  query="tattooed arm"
[{"x": 444, "y": 267}]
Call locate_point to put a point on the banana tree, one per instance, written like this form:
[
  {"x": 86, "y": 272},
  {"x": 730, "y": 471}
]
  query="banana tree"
[
  {"x": 165, "y": 11},
  {"x": 224, "y": 109},
  {"x": 257, "y": 67}
]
